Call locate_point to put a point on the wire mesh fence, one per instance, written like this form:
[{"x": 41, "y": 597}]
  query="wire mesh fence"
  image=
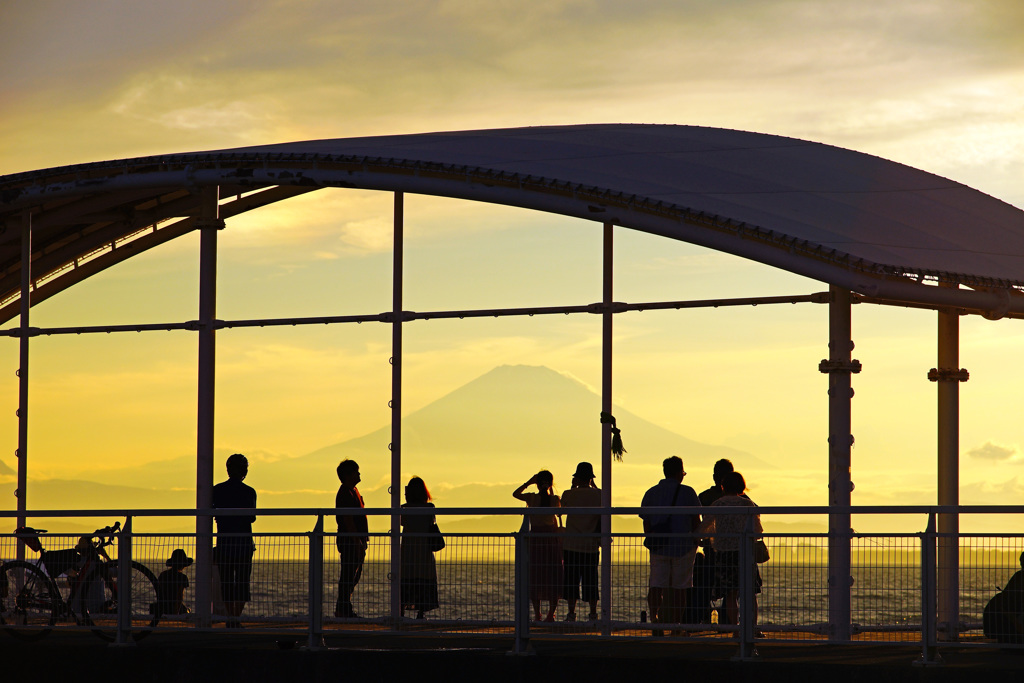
[{"x": 470, "y": 586}]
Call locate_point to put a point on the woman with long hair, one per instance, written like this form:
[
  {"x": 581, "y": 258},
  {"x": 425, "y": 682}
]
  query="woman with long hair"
[
  {"x": 545, "y": 545},
  {"x": 419, "y": 570},
  {"x": 726, "y": 542}
]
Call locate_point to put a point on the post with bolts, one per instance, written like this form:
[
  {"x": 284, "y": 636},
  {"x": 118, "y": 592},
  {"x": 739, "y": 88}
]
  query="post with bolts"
[
  {"x": 839, "y": 367},
  {"x": 26, "y": 303}
]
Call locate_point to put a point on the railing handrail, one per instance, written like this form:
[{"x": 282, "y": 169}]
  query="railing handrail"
[{"x": 451, "y": 511}]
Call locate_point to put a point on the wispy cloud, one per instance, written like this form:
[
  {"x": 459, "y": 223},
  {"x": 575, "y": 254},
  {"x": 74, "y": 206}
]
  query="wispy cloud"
[{"x": 994, "y": 452}]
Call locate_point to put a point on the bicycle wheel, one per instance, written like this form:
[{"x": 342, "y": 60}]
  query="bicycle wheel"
[
  {"x": 97, "y": 600},
  {"x": 29, "y": 600}
]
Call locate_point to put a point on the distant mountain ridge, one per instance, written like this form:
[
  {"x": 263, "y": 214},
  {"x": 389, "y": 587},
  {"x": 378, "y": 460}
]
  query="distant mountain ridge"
[{"x": 503, "y": 426}]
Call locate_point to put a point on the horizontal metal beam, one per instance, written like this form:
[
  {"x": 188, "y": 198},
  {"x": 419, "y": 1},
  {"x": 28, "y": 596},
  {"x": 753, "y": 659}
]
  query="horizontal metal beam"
[
  {"x": 389, "y": 317},
  {"x": 631, "y": 511}
]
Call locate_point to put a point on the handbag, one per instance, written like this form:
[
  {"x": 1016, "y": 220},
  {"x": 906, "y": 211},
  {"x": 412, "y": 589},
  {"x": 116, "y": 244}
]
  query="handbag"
[
  {"x": 761, "y": 551},
  {"x": 435, "y": 541}
]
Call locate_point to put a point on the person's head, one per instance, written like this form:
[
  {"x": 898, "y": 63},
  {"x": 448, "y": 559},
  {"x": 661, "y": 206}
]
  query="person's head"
[
  {"x": 722, "y": 468},
  {"x": 583, "y": 476},
  {"x": 179, "y": 560},
  {"x": 84, "y": 545},
  {"x": 733, "y": 484},
  {"x": 673, "y": 468},
  {"x": 416, "y": 491},
  {"x": 348, "y": 473},
  {"x": 238, "y": 466},
  {"x": 545, "y": 480},
  {"x": 1022, "y": 560}
]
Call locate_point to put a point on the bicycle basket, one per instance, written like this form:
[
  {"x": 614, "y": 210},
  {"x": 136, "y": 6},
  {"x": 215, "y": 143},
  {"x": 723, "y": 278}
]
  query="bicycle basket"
[{"x": 29, "y": 537}]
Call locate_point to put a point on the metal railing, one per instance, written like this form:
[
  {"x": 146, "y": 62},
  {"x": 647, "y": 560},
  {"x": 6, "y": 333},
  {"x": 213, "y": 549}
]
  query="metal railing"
[{"x": 483, "y": 582}]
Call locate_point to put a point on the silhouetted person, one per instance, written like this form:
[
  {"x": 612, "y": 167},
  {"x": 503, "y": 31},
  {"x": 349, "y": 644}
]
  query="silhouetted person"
[
  {"x": 580, "y": 553},
  {"x": 671, "y": 556},
  {"x": 1003, "y": 618},
  {"x": 714, "y": 492},
  {"x": 419, "y": 570},
  {"x": 726, "y": 541},
  {"x": 705, "y": 588},
  {"x": 352, "y": 537},
  {"x": 545, "y": 549},
  {"x": 171, "y": 585},
  {"x": 234, "y": 538}
]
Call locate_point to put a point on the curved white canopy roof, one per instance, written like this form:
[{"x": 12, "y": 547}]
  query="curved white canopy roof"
[{"x": 858, "y": 221}]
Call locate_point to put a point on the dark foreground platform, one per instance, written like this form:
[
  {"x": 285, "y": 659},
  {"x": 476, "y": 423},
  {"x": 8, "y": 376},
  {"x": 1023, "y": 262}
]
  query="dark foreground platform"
[{"x": 256, "y": 657}]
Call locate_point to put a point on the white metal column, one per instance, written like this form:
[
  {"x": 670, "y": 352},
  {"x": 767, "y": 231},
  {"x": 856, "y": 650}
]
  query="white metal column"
[
  {"x": 396, "y": 410},
  {"x": 26, "y": 304},
  {"x": 839, "y": 367},
  {"x": 606, "y": 434},
  {"x": 948, "y": 376},
  {"x": 208, "y": 223}
]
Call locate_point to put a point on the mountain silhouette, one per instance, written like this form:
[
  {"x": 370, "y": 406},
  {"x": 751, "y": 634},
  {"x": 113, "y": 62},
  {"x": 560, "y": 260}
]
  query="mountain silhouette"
[{"x": 503, "y": 427}]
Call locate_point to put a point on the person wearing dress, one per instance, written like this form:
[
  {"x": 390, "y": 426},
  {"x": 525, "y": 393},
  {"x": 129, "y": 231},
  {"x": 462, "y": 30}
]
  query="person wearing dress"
[
  {"x": 545, "y": 547},
  {"x": 419, "y": 570}
]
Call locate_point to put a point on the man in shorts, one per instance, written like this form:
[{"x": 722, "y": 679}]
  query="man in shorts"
[{"x": 671, "y": 543}]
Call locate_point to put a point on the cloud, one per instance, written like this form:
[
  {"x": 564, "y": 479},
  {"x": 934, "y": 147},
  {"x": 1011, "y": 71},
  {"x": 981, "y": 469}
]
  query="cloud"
[{"x": 994, "y": 452}]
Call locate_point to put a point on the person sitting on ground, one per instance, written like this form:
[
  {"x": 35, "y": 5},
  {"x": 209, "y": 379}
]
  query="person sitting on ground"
[
  {"x": 171, "y": 585},
  {"x": 1003, "y": 617}
]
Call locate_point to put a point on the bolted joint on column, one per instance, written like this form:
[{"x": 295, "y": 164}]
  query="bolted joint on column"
[
  {"x": 207, "y": 223},
  {"x": 948, "y": 375},
  {"x": 829, "y": 366}
]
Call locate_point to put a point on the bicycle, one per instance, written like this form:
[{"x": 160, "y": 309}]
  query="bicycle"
[{"x": 31, "y": 601}]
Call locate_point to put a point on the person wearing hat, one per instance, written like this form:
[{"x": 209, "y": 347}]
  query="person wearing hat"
[
  {"x": 171, "y": 585},
  {"x": 581, "y": 541}
]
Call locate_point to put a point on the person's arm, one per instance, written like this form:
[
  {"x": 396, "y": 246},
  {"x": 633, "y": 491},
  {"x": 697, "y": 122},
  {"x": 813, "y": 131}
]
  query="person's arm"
[
  {"x": 253, "y": 506},
  {"x": 518, "y": 493}
]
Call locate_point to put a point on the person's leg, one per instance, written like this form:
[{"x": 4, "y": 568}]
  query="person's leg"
[
  {"x": 659, "y": 581},
  {"x": 589, "y": 580},
  {"x": 351, "y": 555},
  {"x": 654, "y": 601},
  {"x": 732, "y": 606},
  {"x": 536, "y": 609},
  {"x": 552, "y": 607},
  {"x": 570, "y": 589}
]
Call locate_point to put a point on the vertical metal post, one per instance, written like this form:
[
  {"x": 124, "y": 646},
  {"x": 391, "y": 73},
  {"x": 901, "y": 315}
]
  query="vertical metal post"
[
  {"x": 396, "y": 411},
  {"x": 26, "y": 303},
  {"x": 124, "y": 585},
  {"x": 839, "y": 367},
  {"x": 208, "y": 223},
  {"x": 521, "y": 595},
  {"x": 929, "y": 656},
  {"x": 606, "y": 434},
  {"x": 948, "y": 376},
  {"x": 746, "y": 593},
  {"x": 316, "y": 585}
]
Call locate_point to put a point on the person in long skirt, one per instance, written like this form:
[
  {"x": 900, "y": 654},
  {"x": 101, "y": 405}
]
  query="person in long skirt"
[
  {"x": 419, "y": 570},
  {"x": 545, "y": 545}
]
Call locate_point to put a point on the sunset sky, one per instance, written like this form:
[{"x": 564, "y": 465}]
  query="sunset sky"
[{"x": 936, "y": 84}]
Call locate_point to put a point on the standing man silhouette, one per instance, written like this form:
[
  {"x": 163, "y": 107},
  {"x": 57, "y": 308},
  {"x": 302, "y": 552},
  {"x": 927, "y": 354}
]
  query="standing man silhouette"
[
  {"x": 235, "y": 548},
  {"x": 352, "y": 537}
]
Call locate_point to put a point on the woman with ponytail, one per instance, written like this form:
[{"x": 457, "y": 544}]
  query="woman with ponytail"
[{"x": 545, "y": 545}]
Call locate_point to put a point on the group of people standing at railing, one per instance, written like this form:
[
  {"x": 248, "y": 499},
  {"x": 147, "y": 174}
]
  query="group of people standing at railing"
[{"x": 563, "y": 563}]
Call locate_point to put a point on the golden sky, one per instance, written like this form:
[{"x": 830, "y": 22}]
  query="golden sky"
[{"x": 936, "y": 84}]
